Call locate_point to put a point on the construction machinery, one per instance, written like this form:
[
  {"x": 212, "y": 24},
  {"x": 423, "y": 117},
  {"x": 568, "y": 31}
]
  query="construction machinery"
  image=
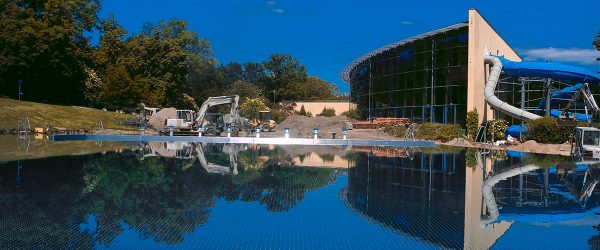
[
  {"x": 147, "y": 113},
  {"x": 586, "y": 144},
  {"x": 264, "y": 122},
  {"x": 211, "y": 124}
]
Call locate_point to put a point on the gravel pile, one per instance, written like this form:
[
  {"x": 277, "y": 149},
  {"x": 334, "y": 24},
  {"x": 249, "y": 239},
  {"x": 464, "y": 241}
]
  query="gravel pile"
[
  {"x": 304, "y": 125},
  {"x": 158, "y": 120}
]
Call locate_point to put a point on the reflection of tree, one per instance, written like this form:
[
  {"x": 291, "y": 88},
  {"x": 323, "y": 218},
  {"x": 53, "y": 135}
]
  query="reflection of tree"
[
  {"x": 594, "y": 241},
  {"x": 38, "y": 212},
  {"x": 154, "y": 196},
  {"x": 278, "y": 184},
  {"x": 327, "y": 157},
  {"x": 161, "y": 198}
]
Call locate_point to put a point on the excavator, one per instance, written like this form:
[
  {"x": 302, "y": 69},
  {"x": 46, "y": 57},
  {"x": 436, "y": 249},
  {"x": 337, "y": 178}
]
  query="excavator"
[{"x": 211, "y": 124}]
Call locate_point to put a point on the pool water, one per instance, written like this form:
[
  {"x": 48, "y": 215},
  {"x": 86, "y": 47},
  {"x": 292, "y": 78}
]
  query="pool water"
[{"x": 216, "y": 196}]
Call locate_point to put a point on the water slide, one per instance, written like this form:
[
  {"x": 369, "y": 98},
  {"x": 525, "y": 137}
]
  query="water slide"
[{"x": 556, "y": 71}]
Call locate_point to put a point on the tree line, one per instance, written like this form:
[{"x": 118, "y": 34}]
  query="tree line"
[{"x": 49, "y": 46}]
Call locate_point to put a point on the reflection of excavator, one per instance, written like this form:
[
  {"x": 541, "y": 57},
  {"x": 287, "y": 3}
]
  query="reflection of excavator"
[
  {"x": 186, "y": 150},
  {"x": 264, "y": 122},
  {"x": 210, "y": 167}
]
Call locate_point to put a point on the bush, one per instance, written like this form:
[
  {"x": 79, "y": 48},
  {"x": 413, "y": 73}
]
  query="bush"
[
  {"x": 546, "y": 130},
  {"x": 279, "y": 115},
  {"x": 496, "y": 129},
  {"x": 472, "y": 124},
  {"x": 303, "y": 112},
  {"x": 427, "y": 131},
  {"x": 327, "y": 112},
  {"x": 353, "y": 114}
]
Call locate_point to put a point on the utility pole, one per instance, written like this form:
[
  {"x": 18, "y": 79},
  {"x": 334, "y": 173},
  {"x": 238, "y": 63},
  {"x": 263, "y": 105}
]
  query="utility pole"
[{"x": 20, "y": 93}]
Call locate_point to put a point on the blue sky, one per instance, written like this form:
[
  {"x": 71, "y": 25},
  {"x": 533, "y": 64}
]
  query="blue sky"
[{"x": 327, "y": 35}]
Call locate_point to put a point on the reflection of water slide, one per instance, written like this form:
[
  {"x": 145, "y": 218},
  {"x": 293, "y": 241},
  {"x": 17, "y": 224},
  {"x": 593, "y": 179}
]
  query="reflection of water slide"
[
  {"x": 488, "y": 195},
  {"x": 555, "y": 71},
  {"x": 589, "y": 183}
]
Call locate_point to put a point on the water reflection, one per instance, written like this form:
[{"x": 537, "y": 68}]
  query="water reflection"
[
  {"x": 165, "y": 192},
  {"x": 422, "y": 198},
  {"x": 82, "y": 201},
  {"x": 435, "y": 199}
]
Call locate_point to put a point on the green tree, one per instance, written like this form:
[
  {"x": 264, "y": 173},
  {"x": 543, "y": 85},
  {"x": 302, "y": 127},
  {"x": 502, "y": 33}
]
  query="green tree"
[
  {"x": 46, "y": 44},
  {"x": 303, "y": 112},
  {"x": 251, "y": 107},
  {"x": 157, "y": 66},
  {"x": 327, "y": 112},
  {"x": 310, "y": 89},
  {"x": 245, "y": 90},
  {"x": 283, "y": 70}
]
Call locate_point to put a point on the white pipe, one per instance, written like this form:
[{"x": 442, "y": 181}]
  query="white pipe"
[{"x": 493, "y": 100}]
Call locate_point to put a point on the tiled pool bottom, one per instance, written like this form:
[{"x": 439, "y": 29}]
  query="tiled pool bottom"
[{"x": 350, "y": 199}]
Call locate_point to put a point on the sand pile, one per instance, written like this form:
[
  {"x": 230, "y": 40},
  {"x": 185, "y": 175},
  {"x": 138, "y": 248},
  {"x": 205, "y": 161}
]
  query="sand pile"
[
  {"x": 158, "y": 120},
  {"x": 304, "y": 125},
  {"x": 458, "y": 142},
  {"x": 534, "y": 147}
]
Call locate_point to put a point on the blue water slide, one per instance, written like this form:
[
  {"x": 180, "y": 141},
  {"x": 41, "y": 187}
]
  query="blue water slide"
[
  {"x": 562, "y": 95},
  {"x": 553, "y": 70},
  {"x": 557, "y": 71}
]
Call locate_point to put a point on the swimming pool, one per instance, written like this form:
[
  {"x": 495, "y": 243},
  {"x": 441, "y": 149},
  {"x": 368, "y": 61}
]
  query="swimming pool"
[{"x": 223, "y": 196}]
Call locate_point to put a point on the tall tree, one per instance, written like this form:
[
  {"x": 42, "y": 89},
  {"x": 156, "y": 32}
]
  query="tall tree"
[
  {"x": 158, "y": 66},
  {"x": 283, "y": 70},
  {"x": 45, "y": 43}
]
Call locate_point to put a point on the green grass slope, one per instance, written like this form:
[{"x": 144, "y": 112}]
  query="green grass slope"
[{"x": 46, "y": 115}]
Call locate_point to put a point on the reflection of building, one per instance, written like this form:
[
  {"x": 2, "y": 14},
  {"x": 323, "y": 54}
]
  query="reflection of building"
[
  {"x": 322, "y": 161},
  {"x": 436, "y": 199},
  {"x": 422, "y": 198},
  {"x": 430, "y": 77}
]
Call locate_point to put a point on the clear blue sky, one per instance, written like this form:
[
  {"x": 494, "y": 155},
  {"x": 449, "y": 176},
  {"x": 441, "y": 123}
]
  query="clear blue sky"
[{"x": 327, "y": 35}]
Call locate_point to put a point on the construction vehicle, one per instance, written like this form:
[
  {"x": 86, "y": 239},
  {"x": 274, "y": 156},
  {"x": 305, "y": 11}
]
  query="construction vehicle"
[
  {"x": 184, "y": 120},
  {"x": 264, "y": 122},
  {"x": 211, "y": 124},
  {"x": 147, "y": 113},
  {"x": 586, "y": 144}
]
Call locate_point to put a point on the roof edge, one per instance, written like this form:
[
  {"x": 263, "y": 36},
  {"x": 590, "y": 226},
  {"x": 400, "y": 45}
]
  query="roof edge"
[{"x": 345, "y": 73}]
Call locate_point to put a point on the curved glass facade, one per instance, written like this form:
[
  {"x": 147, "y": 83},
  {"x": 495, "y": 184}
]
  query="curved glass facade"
[{"x": 424, "y": 80}]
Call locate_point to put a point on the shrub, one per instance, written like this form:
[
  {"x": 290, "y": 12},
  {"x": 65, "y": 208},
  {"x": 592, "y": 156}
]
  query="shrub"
[
  {"x": 546, "y": 130},
  {"x": 496, "y": 129},
  {"x": 303, "y": 112},
  {"x": 252, "y": 106},
  {"x": 353, "y": 114},
  {"x": 427, "y": 131},
  {"x": 327, "y": 112},
  {"x": 279, "y": 115},
  {"x": 472, "y": 124}
]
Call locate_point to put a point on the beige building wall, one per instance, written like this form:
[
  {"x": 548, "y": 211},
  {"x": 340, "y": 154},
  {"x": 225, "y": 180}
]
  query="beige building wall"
[
  {"x": 483, "y": 39},
  {"x": 317, "y": 107},
  {"x": 476, "y": 235}
]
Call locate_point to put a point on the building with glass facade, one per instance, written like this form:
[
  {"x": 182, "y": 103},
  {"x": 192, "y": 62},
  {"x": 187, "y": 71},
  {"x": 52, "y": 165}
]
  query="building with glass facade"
[{"x": 432, "y": 77}]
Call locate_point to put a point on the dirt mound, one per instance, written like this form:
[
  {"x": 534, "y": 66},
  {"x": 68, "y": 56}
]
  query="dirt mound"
[
  {"x": 158, "y": 120},
  {"x": 303, "y": 126},
  {"x": 529, "y": 146},
  {"x": 458, "y": 142}
]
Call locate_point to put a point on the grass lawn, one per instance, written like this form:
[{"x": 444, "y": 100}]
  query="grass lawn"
[{"x": 45, "y": 115}]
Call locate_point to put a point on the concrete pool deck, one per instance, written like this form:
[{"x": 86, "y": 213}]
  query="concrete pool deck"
[{"x": 244, "y": 140}]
